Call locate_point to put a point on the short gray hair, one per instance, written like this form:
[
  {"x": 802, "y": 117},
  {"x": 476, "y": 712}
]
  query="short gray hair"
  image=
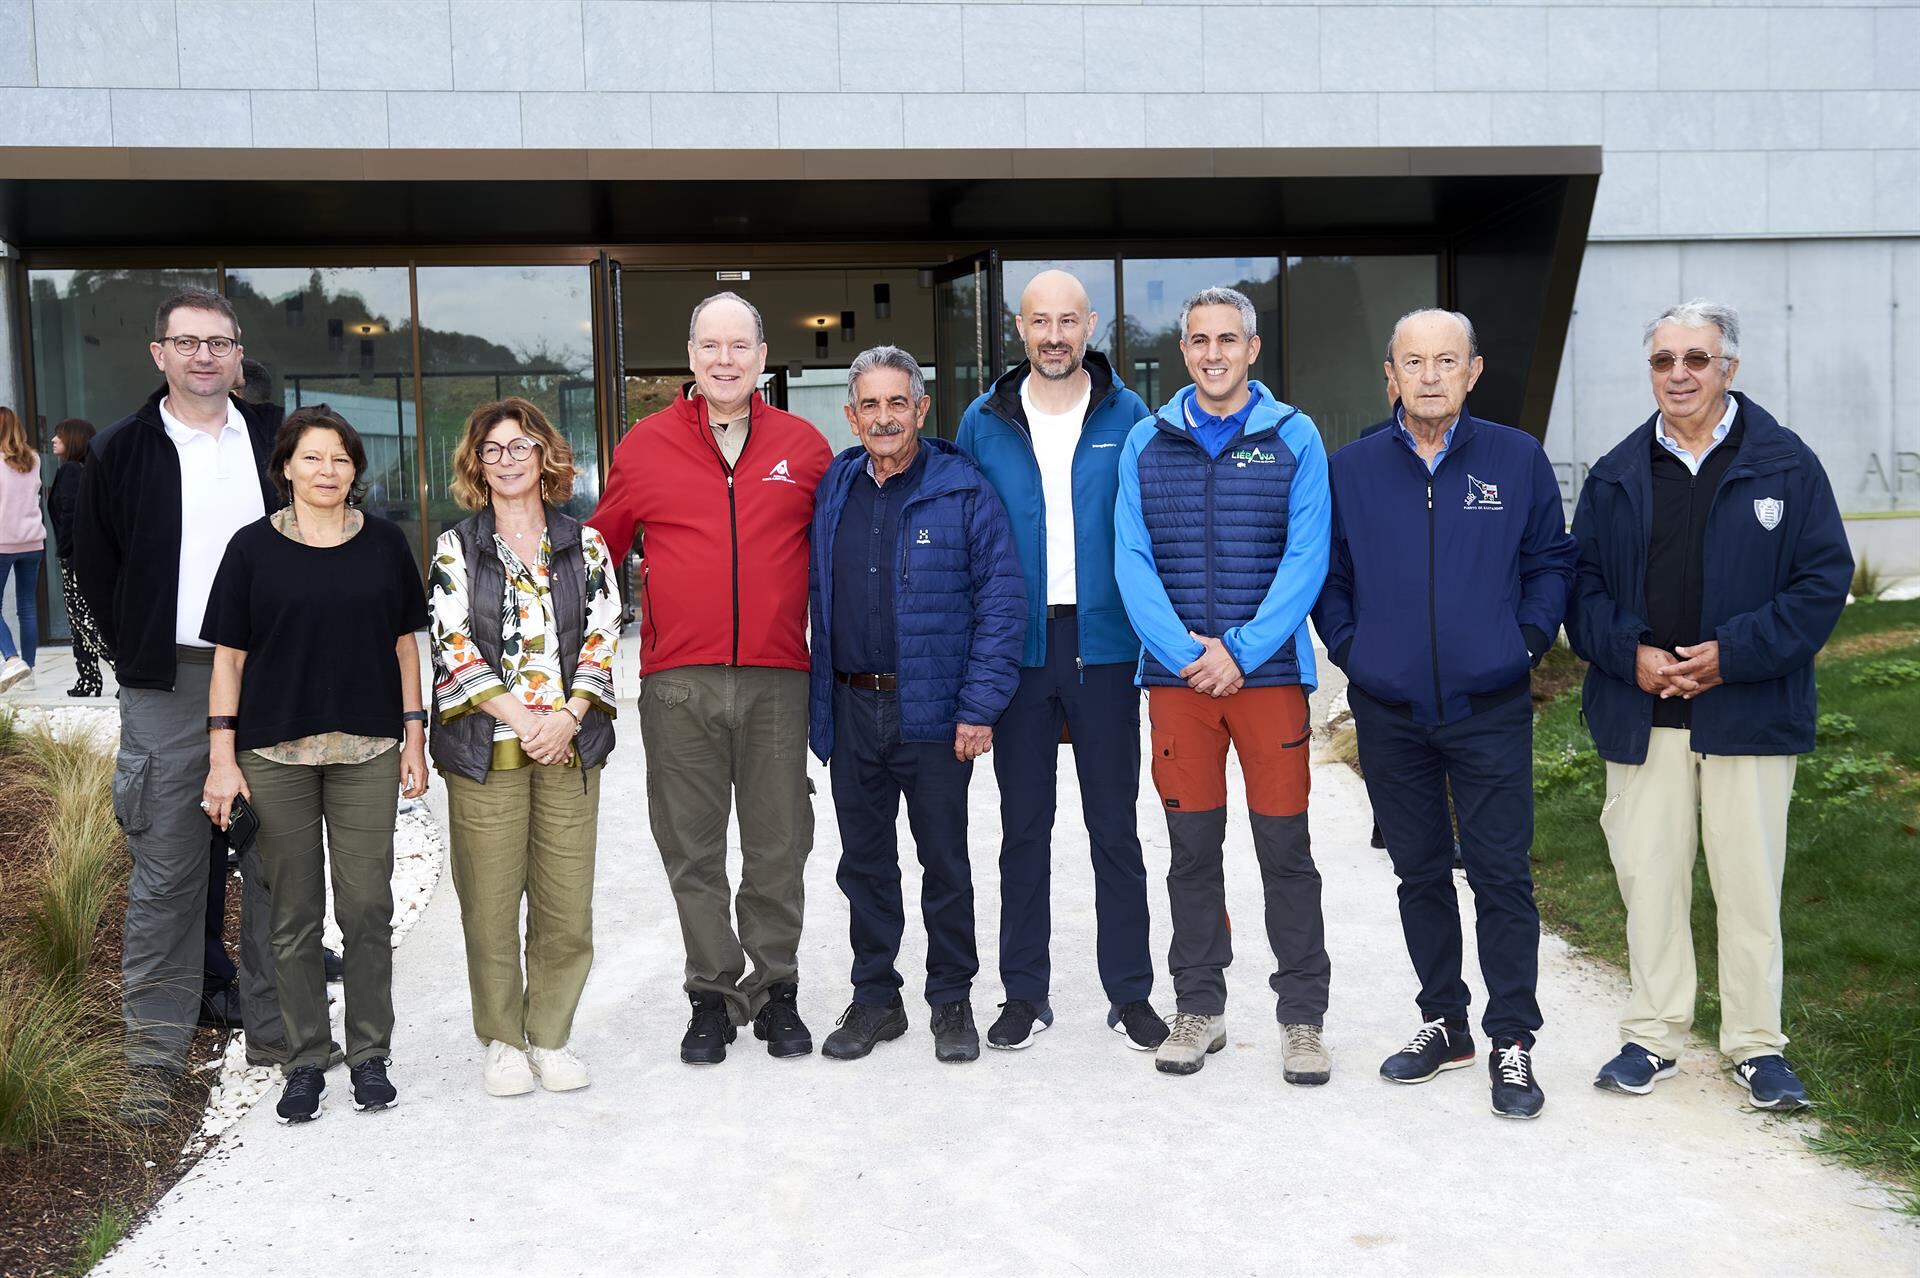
[
  {"x": 759, "y": 329},
  {"x": 1473, "y": 338},
  {"x": 885, "y": 357},
  {"x": 1221, "y": 297},
  {"x": 1699, "y": 313}
]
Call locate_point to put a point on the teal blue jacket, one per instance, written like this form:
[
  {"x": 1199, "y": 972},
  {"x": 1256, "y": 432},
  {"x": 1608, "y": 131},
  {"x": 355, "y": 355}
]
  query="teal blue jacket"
[{"x": 994, "y": 433}]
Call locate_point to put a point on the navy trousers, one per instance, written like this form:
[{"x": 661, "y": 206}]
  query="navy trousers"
[
  {"x": 1488, "y": 758},
  {"x": 871, "y": 769},
  {"x": 1101, "y": 709}
]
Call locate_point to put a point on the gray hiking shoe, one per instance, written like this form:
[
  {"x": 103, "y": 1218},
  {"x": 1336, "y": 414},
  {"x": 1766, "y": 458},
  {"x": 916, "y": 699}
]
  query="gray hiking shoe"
[
  {"x": 1193, "y": 1038},
  {"x": 1305, "y": 1062}
]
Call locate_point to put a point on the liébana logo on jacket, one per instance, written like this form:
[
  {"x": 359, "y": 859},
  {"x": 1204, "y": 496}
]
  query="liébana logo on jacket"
[
  {"x": 1258, "y": 456},
  {"x": 1482, "y": 495}
]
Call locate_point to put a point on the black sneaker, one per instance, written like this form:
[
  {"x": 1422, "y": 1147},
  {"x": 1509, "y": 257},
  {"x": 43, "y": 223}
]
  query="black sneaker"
[
  {"x": 1019, "y": 1022},
  {"x": 371, "y": 1090},
  {"x": 334, "y": 965},
  {"x": 1139, "y": 1024},
  {"x": 300, "y": 1098},
  {"x": 149, "y": 1097},
  {"x": 709, "y": 1030},
  {"x": 779, "y": 1025},
  {"x": 955, "y": 1040},
  {"x": 1516, "y": 1093},
  {"x": 861, "y": 1026},
  {"x": 1435, "y": 1046}
]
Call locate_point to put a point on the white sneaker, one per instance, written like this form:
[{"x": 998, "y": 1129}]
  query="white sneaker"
[
  {"x": 506, "y": 1072},
  {"x": 15, "y": 673},
  {"x": 557, "y": 1068}
]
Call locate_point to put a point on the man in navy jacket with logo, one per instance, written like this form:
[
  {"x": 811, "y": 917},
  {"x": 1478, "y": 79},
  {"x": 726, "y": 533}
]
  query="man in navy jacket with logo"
[
  {"x": 1048, "y": 436},
  {"x": 1713, "y": 566},
  {"x": 1450, "y": 570},
  {"x": 1221, "y": 530},
  {"x": 918, "y": 607}
]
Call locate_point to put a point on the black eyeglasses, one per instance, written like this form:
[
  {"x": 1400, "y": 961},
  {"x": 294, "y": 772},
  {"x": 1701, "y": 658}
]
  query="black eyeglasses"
[
  {"x": 519, "y": 449},
  {"x": 188, "y": 344},
  {"x": 1664, "y": 361}
]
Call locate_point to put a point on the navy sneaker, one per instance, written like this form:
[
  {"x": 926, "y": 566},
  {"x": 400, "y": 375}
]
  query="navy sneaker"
[
  {"x": 372, "y": 1089},
  {"x": 1772, "y": 1084},
  {"x": 1634, "y": 1071},
  {"x": 300, "y": 1098},
  {"x": 1435, "y": 1046},
  {"x": 1516, "y": 1093},
  {"x": 1019, "y": 1021},
  {"x": 1138, "y": 1023}
]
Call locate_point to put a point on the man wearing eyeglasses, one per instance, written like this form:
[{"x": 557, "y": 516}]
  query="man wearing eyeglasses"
[
  {"x": 718, "y": 487},
  {"x": 1713, "y": 566},
  {"x": 163, "y": 491}
]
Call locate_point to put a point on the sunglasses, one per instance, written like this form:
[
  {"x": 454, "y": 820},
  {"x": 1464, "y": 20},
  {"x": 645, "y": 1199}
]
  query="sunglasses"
[{"x": 1695, "y": 361}]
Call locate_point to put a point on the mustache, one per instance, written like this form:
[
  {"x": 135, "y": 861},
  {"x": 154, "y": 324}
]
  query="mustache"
[{"x": 887, "y": 428}]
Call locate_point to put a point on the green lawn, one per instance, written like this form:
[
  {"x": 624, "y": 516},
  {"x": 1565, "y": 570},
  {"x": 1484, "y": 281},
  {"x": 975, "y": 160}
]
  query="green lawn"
[{"x": 1851, "y": 909}]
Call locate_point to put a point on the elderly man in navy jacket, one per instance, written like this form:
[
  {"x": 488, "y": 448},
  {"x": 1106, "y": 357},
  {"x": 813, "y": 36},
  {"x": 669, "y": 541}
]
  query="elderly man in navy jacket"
[
  {"x": 918, "y": 611},
  {"x": 1048, "y": 436},
  {"x": 1713, "y": 566},
  {"x": 1449, "y": 576}
]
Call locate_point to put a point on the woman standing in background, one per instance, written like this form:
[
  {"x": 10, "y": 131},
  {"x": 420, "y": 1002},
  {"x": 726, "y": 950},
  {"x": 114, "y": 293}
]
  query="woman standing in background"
[
  {"x": 71, "y": 440},
  {"x": 23, "y": 539}
]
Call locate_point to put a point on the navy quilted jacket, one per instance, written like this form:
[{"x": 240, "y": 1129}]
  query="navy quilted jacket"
[
  {"x": 1233, "y": 546},
  {"x": 960, "y": 601}
]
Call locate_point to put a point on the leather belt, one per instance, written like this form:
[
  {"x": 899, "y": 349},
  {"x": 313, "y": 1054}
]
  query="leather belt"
[
  {"x": 869, "y": 682},
  {"x": 1061, "y": 610}
]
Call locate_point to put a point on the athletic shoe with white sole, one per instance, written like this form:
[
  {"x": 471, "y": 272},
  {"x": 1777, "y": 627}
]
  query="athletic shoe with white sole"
[
  {"x": 1516, "y": 1093},
  {"x": 300, "y": 1098},
  {"x": 1192, "y": 1039},
  {"x": 1772, "y": 1084},
  {"x": 1434, "y": 1047},
  {"x": 1138, "y": 1023},
  {"x": 1019, "y": 1021},
  {"x": 506, "y": 1072},
  {"x": 371, "y": 1090},
  {"x": 15, "y": 673},
  {"x": 557, "y": 1068},
  {"x": 1634, "y": 1071}
]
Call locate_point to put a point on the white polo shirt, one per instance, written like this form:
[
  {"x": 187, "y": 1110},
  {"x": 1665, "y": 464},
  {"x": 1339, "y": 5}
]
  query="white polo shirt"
[
  {"x": 1055, "y": 436},
  {"x": 219, "y": 495}
]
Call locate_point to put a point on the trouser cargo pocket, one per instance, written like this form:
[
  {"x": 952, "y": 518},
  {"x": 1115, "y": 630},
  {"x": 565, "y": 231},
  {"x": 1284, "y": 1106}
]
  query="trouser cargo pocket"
[{"x": 131, "y": 770}]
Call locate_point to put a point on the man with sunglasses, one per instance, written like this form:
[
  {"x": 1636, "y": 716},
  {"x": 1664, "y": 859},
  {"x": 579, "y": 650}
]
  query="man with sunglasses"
[
  {"x": 163, "y": 491},
  {"x": 1713, "y": 566}
]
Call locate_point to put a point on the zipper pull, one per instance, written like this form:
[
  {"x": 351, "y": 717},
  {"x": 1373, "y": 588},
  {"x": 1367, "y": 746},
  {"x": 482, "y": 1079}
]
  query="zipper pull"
[
  {"x": 1429, "y": 491},
  {"x": 729, "y": 481}
]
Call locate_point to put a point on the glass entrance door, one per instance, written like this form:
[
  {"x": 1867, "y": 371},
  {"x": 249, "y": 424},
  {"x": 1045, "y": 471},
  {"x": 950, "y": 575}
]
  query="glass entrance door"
[{"x": 968, "y": 305}]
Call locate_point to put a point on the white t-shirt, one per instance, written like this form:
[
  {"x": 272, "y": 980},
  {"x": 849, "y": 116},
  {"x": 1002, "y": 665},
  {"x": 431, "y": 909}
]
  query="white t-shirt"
[
  {"x": 1054, "y": 437},
  {"x": 219, "y": 495}
]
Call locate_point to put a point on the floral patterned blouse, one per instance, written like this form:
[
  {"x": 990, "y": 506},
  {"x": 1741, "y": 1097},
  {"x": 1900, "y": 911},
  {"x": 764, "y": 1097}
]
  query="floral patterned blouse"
[{"x": 530, "y": 638}]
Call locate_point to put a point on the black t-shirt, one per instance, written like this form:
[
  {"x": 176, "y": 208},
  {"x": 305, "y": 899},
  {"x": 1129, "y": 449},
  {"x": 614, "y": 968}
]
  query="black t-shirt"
[
  {"x": 318, "y": 625},
  {"x": 1676, "y": 554}
]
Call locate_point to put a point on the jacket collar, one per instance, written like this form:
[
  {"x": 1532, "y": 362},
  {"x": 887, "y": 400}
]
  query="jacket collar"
[
  {"x": 948, "y": 469},
  {"x": 563, "y": 530},
  {"x": 1763, "y": 442},
  {"x": 1269, "y": 414},
  {"x": 1004, "y": 396}
]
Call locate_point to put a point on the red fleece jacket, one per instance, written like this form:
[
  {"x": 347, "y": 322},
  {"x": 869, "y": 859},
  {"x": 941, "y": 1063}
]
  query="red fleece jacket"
[{"x": 723, "y": 573}]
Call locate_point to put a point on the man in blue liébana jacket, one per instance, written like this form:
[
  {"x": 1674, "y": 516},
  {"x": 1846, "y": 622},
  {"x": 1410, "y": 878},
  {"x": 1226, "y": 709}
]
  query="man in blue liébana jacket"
[
  {"x": 918, "y": 610},
  {"x": 1048, "y": 437}
]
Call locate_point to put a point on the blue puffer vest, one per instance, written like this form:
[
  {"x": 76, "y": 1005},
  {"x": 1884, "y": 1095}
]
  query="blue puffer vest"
[{"x": 1219, "y": 529}]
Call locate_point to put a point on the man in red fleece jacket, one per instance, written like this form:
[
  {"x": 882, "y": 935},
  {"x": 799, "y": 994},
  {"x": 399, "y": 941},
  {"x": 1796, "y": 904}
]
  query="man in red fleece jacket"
[{"x": 719, "y": 488}]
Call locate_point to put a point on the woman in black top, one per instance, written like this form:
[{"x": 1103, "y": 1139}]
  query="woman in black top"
[
  {"x": 71, "y": 439},
  {"x": 314, "y": 714}
]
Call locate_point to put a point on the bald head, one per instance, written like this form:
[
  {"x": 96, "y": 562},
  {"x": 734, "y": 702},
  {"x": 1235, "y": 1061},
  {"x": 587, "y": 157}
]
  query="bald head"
[{"x": 1056, "y": 320}]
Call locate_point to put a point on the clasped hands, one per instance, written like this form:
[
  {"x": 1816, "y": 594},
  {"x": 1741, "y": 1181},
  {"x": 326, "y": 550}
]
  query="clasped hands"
[
  {"x": 1214, "y": 672},
  {"x": 1686, "y": 672},
  {"x": 546, "y": 737}
]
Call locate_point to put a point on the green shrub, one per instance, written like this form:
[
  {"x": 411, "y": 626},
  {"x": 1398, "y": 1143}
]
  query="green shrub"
[
  {"x": 84, "y": 866},
  {"x": 60, "y": 1061},
  {"x": 1896, "y": 672},
  {"x": 1833, "y": 726}
]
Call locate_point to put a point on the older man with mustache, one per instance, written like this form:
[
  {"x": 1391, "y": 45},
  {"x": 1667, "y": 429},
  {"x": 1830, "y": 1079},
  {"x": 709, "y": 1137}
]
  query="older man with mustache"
[{"x": 918, "y": 608}]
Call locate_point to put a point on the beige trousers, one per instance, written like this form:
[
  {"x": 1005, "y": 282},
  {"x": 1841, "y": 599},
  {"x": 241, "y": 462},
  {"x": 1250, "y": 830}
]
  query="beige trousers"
[{"x": 1737, "y": 805}]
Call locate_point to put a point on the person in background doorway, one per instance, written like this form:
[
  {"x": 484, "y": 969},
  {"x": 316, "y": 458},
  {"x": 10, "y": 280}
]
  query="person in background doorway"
[
  {"x": 23, "y": 539},
  {"x": 71, "y": 440}
]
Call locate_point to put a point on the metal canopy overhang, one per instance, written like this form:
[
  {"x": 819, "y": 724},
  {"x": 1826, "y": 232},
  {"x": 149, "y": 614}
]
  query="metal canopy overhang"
[{"x": 54, "y": 199}]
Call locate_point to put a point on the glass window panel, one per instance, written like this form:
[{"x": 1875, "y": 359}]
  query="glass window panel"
[
  {"x": 1096, "y": 273},
  {"x": 342, "y": 336},
  {"x": 91, "y": 332},
  {"x": 1157, "y": 289},
  {"x": 1337, "y": 354},
  {"x": 489, "y": 332}
]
